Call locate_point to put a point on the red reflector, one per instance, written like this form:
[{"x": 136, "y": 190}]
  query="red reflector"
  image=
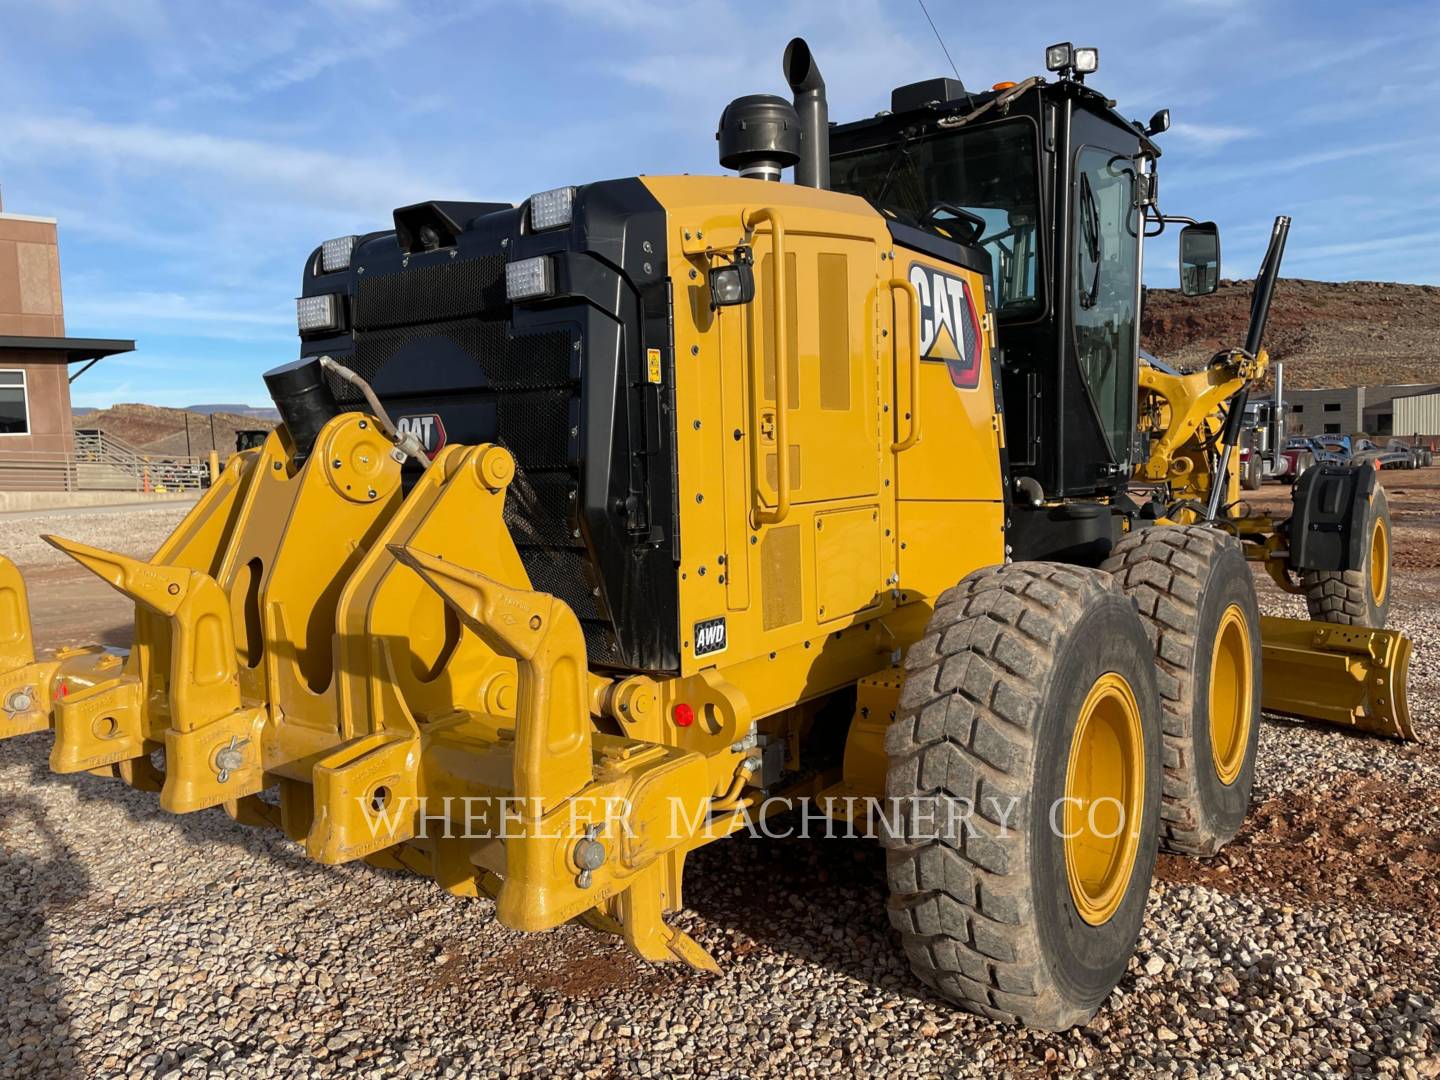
[{"x": 683, "y": 715}]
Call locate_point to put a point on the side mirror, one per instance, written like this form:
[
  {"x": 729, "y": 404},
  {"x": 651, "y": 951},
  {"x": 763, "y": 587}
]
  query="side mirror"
[{"x": 1199, "y": 259}]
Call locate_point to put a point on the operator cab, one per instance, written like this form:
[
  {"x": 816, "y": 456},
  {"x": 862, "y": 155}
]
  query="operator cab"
[{"x": 1052, "y": 185}]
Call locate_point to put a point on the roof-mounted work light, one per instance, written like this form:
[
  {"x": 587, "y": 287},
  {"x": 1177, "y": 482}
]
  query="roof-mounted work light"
[{"x": 1071, "y": 62}]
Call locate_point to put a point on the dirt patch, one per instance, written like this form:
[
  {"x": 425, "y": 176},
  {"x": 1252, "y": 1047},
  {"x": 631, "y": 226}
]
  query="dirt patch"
[
  {"x": 568, "y": 963},
  {"x": 1353, "y": 333},
  {"x": 1364, "y": 841}
]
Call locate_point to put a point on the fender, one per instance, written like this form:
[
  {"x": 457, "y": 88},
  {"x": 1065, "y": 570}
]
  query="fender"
[{"x": 1327, "y": 528}]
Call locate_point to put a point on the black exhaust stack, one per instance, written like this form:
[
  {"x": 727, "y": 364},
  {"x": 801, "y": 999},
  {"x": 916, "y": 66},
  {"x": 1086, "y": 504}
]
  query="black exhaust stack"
[{"x": 813, "y": 168}]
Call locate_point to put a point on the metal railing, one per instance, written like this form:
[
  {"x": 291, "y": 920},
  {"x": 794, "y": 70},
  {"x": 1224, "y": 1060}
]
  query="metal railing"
[{"x": 100, "y": 463}]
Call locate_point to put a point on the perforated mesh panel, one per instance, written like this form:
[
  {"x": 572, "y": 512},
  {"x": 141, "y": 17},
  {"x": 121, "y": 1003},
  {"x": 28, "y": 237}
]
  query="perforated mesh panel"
[{"x": 447, "y": 291}]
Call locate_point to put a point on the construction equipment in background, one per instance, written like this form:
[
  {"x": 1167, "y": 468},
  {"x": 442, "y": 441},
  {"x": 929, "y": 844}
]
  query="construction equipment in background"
[
  {"x": 250, "y": 439},
  {"x": 600, "y": 526}
]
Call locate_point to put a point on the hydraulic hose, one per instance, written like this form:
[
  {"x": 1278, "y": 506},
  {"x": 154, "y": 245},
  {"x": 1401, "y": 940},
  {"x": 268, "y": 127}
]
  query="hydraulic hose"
[{"x": 408, "y": 444}]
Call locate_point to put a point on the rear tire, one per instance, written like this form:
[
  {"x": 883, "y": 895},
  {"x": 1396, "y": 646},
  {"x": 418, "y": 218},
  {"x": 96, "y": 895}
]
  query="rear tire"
[
  {"x": 1197, "y": 599},
  {"x": 1032, "y": 685},
  {"x": 1357, "y": 597}
]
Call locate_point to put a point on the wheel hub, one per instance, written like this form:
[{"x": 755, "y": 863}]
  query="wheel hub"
[
  {"x": 1232, "y": 677},
  {"x": 1379, "y": 561},
  {"x": 1104, "y": 792}
]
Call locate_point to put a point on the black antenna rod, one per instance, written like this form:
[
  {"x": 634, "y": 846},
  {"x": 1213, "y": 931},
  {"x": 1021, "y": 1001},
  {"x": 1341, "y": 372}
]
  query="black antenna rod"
[{"x": 940, "y": 39}]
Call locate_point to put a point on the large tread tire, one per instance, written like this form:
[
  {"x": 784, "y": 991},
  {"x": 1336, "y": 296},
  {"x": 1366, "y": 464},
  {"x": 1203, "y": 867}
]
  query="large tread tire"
[
  {"x": 990, "y": 703},
  {"x": 1348, "y": 596},
  {"x": 1183, "y": 580}
]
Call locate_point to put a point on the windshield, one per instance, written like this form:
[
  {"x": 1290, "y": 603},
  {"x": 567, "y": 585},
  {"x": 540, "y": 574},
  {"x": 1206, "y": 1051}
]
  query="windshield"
[{"x": 986, "y": 171}]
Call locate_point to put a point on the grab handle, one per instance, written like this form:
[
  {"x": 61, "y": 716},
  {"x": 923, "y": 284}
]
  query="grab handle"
[
  {"x": 764, "y": 514},
  {"x": 912, "y": 436}
]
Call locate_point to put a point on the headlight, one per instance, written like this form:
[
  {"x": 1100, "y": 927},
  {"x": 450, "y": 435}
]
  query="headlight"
[
  {"x": 551, "y": 209},
  {"x": 733, "y": 283},
  {"x": 1057, "y": 57},
  {"x": 317, "y": 313},
  {"x": 1087, "y": 60},
  {"x": 335, "y": 254},
  {"x": 527, "y": 279}
]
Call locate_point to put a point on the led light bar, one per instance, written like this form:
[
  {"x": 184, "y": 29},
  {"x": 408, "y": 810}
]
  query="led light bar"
[
  {"x": 314, "y": 313},
  {"x": 335, "y": 254},
  {"x": 527, "y": 279},
  {"x": 552, "y": 209}
]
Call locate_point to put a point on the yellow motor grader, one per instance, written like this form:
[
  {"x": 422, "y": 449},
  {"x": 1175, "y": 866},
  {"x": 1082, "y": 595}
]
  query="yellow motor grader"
[{"x": 601, "y": 526}]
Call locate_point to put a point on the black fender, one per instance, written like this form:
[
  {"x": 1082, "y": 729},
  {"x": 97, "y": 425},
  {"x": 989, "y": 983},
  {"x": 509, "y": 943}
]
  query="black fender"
[{"x": 1327, "y": 529}]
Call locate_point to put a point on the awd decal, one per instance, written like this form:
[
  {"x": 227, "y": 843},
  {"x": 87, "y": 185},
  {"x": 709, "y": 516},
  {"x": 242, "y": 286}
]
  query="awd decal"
[
  {"x": 949, "y": 324},
  {"x": 710, "y": 636},
  {"x": 427, "y": 427}
]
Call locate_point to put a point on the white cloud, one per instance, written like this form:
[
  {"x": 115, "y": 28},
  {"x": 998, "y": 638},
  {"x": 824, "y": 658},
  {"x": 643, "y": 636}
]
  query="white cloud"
[
  {"x": 1211, "y": 136},
  {"x": 267, "y": 169}
]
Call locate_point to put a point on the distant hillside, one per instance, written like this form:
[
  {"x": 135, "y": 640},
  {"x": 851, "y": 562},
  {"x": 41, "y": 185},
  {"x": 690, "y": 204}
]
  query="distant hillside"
[
  {"x": 159, "y": 430},
  {"x": 263, "y": 412},
  {"x": 1353, "y": 333}
]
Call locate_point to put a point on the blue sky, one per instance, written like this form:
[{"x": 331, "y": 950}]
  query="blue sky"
[{"x": 195, "y": 153}]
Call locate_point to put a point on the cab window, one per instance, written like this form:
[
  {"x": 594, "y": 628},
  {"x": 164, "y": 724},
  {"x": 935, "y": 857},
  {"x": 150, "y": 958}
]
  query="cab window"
[
  {"x": 987, "y": 171},
  {"x": 1106, "y": 286}
]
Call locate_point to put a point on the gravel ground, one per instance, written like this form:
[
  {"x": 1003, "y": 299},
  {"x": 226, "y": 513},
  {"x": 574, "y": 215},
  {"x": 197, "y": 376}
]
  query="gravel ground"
[
  {"x": 140, "y": 944},
  {"x": 127, "y": 531}
]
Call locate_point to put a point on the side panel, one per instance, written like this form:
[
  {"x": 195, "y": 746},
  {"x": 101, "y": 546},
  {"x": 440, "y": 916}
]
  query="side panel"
[
  {"x": 782, "y": 583},
  {"x": 958, "y": 454},
  {"x": 824, "y": 595}
]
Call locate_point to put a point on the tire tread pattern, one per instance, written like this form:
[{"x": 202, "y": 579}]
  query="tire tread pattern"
[
  {"x": 1337, "y": 596},
  {"x": 965, "y": 730},
  {"x": 1164, "y": 570}
]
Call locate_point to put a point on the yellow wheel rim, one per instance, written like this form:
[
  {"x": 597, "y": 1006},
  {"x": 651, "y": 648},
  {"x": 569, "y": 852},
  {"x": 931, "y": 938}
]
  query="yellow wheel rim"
[
  {"x": 1104, "y": 791},
  {"x": 1379, "y": 561},
  {"x": 1232, "y": 680}
]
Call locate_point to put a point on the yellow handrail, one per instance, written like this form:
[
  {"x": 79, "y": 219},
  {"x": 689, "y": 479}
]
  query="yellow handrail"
[
  {"x": 913, "y": 435},
  {"x": 781, "y": 511}
]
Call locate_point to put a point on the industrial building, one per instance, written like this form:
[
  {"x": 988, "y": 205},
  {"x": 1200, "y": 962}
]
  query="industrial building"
[
  {"x": 1417, "y": 415},
  {"x": 1352, "y": 409}
]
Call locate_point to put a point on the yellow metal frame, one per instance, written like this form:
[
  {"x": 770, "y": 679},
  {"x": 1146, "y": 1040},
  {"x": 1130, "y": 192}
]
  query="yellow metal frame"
[{"x": 1183, "y": 415}]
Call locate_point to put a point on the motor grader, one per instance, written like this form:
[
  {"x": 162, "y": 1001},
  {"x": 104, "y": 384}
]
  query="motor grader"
[{"x": 601, "y": 526}]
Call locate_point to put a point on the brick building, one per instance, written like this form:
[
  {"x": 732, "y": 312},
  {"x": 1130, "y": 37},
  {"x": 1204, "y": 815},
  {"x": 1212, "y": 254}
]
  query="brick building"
[{"x": 35, "y": 354}]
